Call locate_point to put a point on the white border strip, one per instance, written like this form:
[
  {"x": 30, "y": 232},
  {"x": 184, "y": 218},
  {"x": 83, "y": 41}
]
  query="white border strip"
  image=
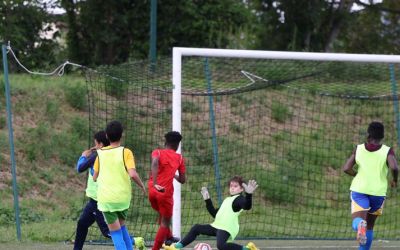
[{"x": 309, "y": 56}]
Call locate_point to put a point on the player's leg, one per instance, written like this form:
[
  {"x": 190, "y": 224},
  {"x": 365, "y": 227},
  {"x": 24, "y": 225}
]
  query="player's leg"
[
  {"x": 114, "y": 226},
  {"x": 359, "y": 210},
  {"x": 222, "y": 244},
  {"x": 165, "y": 206},
  {"x": 122, "y": 215},
  {"x": 101, "y": 223},
  {"x": 86, "y": 219},
  {"x": 376, "y": 210},
  {"x": 195, "y": 231}
]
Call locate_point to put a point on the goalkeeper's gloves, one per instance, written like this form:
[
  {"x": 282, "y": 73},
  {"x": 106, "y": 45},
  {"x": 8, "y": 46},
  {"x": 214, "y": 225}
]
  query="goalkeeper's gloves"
[
  {"x": 250, "y": 187},
  {"x": 204, "y": 193}
]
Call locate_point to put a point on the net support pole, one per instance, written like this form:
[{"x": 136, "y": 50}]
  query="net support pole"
[
  {"x": 176, "y": 126},
  {"x": 395, "y": 101},
  {"x": 214, "y": 134},
  {"x": 153, "y": 34},
  {"x": 11, "y": 141}
]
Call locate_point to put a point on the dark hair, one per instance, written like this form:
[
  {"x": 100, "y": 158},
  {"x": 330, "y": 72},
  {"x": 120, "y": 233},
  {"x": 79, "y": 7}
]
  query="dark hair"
[
  {"x": 114, "y": 131},
  {"x": 101, "y": 137},
  {"x": 236, "y": 178},
  {"x": 376, "y": 131},
  {"x": 173, "y": 138}
]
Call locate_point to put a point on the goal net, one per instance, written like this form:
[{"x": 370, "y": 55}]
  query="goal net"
[{"x": 287, "y": 120}]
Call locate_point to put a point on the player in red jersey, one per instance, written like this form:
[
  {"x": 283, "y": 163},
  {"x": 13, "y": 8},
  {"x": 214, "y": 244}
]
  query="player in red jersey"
[{"x": 164, "y": 164}]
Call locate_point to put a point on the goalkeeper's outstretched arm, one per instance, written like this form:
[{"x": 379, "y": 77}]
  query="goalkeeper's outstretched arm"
[
  {"x": 209, "y": 205},
  {"x": 210, "y": 208}
]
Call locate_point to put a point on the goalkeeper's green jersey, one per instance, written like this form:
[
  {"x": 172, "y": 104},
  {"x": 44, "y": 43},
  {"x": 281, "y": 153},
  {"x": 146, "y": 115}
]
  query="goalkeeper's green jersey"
[
  {"x": 372, "y": 171},
  {"x": 226, "y": 219}
]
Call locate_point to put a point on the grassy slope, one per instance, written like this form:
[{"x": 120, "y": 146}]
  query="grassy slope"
[{"x": 50, "y": 131}]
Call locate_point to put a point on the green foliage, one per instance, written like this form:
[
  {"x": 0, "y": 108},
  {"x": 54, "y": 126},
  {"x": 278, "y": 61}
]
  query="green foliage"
[
  {"x": 116, "y": 88},
  {"x": 22, "y": 23},
  {"x": 68, "y": 148},
  {"x": 190, "y": 107},
  {"x": 3, "y": 122},
  {"x": 52, "y": 110},
  {"x": 235, "y": 128},
  {"x": 36, "y": 142},
  {"x": 80, "y": 127},
  {"x": 280, "y": 112},
  {"x": 76, "y": 96},
  {"x": 7, "y": 216}
]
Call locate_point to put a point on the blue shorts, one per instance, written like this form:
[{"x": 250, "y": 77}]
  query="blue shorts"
[{"x": 364, "y": 202}]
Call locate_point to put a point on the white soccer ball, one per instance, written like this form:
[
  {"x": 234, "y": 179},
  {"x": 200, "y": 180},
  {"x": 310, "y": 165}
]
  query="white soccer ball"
[{"x": 202, "y": 246}]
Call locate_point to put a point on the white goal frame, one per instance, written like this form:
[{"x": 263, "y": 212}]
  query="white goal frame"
[{"x": 179, "y": 52}]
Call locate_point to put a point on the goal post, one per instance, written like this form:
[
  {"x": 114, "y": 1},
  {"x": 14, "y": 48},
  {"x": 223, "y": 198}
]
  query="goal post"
[{"x": 179, "y": 53}]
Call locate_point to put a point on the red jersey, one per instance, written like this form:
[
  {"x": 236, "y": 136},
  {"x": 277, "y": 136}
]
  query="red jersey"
[{"x": 168, "y": 163}]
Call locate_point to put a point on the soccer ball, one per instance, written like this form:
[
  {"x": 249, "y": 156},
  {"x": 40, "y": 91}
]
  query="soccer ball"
[{"x": 202, "y": 246}]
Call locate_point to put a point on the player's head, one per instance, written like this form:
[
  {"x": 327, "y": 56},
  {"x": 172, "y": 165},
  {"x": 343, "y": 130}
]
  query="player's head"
[
  {"x": 114, "y": 131},
  {"x": 235, "y": 185},
  {"x": 101, "y": 139},
  {"x": 172, "y": 139},
  {"x": 376, "y": 131}
]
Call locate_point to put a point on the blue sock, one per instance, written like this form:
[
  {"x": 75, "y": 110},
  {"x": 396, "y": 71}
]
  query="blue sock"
[
  {"x": 355, "y": 223},
  {"x": 370, "y": 238},
  {"x": 127, "y": 238},
  {"x": 178, "y": 245},
  {"x": 118, "y": 240}
]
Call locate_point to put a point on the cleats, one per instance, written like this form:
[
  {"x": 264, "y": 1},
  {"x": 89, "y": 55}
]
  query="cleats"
[
  {"x": 171, "y": 240},
  {"x": 139, "y": 243},
  {"x": 362, "y": 232},
  {"x": 251, "y": 246},
  {"x": 171, "y": 247}
]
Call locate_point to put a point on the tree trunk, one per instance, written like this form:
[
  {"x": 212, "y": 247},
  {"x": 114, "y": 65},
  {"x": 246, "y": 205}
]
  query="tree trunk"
[{"x": 337, "y": 19}]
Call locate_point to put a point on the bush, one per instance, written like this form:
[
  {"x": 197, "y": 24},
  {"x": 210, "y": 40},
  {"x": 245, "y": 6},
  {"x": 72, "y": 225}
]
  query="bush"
[
  {"x": 52, "y": 110},
  {"x": 280, "y": 112},
  {"x": 76, "y": 96},
  {"x": 80, "y": 127}
]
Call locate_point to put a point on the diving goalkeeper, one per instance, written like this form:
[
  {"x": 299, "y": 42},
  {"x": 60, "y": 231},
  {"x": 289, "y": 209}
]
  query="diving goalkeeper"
[{"x": 226, "y": 224}]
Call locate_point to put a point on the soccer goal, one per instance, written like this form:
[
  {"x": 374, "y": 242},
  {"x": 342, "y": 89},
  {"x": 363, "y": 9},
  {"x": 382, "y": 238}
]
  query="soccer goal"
[{"x": 287, "y": 119}]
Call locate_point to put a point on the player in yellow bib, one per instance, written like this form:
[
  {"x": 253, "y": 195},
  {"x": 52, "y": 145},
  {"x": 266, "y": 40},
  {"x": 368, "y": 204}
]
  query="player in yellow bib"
[
  {"x": 113, "y": 169},
  {"x": 369, "y": 186},
  {"x": 226, "y": 224}
]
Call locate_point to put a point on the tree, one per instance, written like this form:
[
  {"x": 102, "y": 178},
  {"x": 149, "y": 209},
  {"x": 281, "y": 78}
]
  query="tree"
[
  {"x": 114, "y": 31},
  {"x": 375, "y": 29},
  {"x": 312, "y": 25},
  {"x": 24, "y": 24}
]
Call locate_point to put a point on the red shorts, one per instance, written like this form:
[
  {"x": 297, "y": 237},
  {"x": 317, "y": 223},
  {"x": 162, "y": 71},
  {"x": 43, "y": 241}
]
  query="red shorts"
[{"x": 161, "y": 202}]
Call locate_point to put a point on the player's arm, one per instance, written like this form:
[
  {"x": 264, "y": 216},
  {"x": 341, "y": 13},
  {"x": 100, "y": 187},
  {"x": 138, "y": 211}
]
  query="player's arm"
[
  {"x": 85, "y": 161},
  {"x": 136, "y": 178},
  {"x": 211, "y": 209},
  {"x": 181, "y": 178},
  {"x": 245, "y": 202},
  {"x": 348, "y": 166},
  {"x": 391, "y": 159},
  {"x": 154, "y": 172},
  {"x": 131, "y": 168},
  {"x": 96, "y": 169},
  {"x": 209, "y": 205}
]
